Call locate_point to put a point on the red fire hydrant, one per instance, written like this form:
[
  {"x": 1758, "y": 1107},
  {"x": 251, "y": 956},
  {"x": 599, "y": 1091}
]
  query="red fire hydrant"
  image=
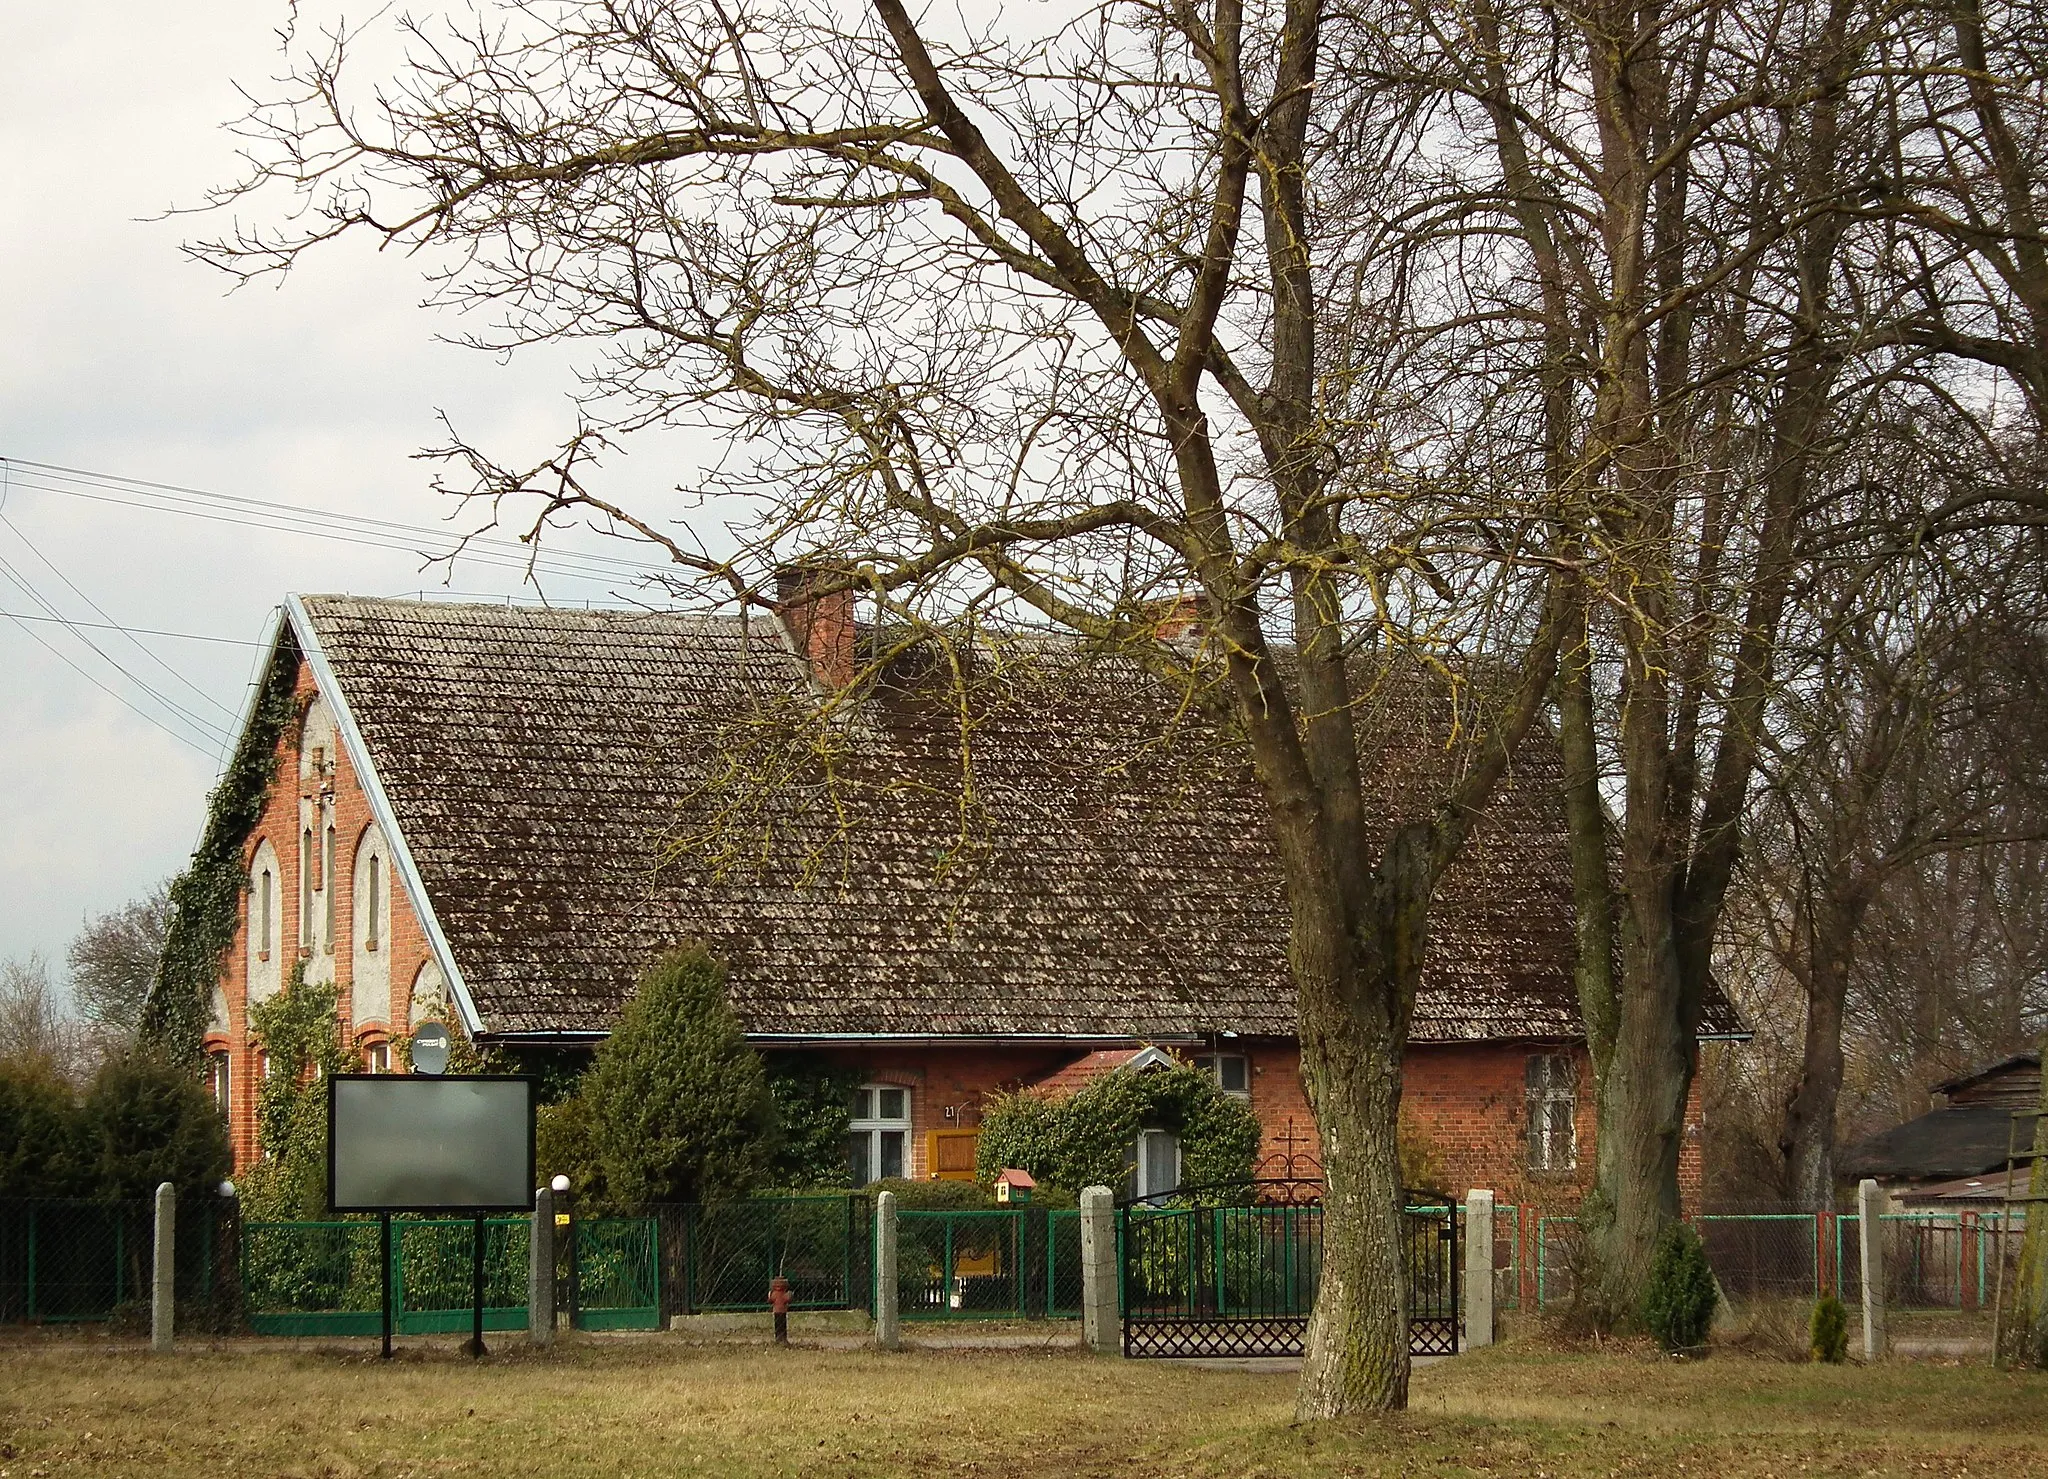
[{"x": 778, "y": 1301}]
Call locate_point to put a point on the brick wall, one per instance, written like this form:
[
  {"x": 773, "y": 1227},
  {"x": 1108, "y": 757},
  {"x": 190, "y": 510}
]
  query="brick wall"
[
  {"x": 1466, "y": 1100},
  {"x": 299, "y": 801}
]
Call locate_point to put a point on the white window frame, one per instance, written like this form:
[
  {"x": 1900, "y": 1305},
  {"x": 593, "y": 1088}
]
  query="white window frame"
[
  {"x": 1551, "y": 1083},
  {"x": 377, "y": 1058},
  {"x": 220, "y": 1078},
  {"x": 1212, "y": 1064},
  {"x": 869, "y": 1121},
  {"x": 1141, "y": 1184}
]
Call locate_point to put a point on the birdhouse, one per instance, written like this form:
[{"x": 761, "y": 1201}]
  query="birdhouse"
[{"x": 1013, "y": 1187}]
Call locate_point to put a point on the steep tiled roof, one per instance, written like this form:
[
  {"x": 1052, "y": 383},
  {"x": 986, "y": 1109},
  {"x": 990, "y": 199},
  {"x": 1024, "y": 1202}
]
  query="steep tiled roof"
[{"x": 557, "y": 775}]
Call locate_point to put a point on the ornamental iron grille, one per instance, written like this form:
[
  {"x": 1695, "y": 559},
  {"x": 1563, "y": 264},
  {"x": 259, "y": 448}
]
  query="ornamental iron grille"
[{"x": 1231, "y": 1269}]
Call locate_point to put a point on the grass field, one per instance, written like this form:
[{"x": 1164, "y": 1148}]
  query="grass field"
[{"x": 627, "y": 1408}]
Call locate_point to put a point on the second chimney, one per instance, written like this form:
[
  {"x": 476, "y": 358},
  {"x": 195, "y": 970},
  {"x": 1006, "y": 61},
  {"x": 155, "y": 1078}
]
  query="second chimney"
[{"x": 822, "y": 625}]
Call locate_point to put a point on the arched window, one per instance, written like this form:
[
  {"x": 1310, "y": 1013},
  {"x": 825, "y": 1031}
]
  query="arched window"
[
  {"x": 264, "y": 969},
  {"x": 328, "y": 892},
  {"x": 306, "y": 888},
  {"x": 373, "y": 905},
  {"x": 217, "y": 1078},
  {"x": 371, "y": 972}
]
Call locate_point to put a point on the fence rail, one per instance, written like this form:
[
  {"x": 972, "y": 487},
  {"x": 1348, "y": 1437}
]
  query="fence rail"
[{"x": 74, "y": 1260}]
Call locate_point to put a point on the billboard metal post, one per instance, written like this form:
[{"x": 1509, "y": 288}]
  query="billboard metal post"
[
  {"x": 476, "y": 1288},
  {"x": 384, "y": 1263}
]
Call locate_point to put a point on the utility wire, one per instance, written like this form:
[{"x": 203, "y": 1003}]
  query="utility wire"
[
  {"x": 118, "y": 697},
  {"x": 201, "y": 725},
  {"x": 100, "y": 612},
  {"x": 102, "y": 626},
  {"x": 257, "y": 512}
]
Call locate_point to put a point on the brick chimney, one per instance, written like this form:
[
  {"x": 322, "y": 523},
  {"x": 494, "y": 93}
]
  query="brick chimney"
[
  {"x": 822, "y": 626},
  {"x": 1177, "y": 617}
]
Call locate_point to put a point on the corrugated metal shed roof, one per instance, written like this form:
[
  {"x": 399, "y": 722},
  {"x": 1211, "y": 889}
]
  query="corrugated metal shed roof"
[{"x": 558, "y": 776}]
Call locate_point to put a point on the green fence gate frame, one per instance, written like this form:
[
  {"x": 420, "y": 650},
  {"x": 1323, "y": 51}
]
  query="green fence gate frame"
[
  {"x": 1018, "y": 1306},
  {"x": 618, "y": 1273}
]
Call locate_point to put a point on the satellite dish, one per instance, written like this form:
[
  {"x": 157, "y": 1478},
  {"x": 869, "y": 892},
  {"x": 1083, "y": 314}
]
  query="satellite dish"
[{"x": 430, "y": 1049}]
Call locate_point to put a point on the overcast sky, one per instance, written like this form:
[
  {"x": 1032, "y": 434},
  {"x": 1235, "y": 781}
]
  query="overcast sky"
[{"x": 122, "y": 357}]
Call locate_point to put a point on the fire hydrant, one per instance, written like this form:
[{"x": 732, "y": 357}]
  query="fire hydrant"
[{"x": 778, "y": 1301}]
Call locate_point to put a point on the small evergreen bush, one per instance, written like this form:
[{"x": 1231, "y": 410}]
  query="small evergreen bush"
[
  {"x": 1678, "y": 1304},
  {"x": 679, "y": 1104},
  {"x": 1829, "y": 1330},
  {"x": 148, "y": 1121}
]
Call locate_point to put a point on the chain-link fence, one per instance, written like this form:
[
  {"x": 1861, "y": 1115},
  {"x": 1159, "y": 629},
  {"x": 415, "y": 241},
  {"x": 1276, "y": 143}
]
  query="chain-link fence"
[{"x": 68, "y": 1261}]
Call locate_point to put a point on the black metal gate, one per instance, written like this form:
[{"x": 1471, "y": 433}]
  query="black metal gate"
[{"x": 1231, "y": 1270}]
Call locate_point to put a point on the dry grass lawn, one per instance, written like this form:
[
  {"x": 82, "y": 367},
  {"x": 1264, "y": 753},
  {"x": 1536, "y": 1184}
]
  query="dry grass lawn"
[{"x": 619, "y": 1408}]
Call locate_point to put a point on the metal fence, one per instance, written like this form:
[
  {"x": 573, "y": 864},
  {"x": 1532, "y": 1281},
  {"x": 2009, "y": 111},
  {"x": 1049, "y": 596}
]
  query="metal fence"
[
  {"x": 1016, "y": 1263},
  {"x": 720, "y": 1256},
  {"x": 322, "y": 1278},
  {"x": 65, "y": 1261},
  {"x": 1932, "y": 1260}
]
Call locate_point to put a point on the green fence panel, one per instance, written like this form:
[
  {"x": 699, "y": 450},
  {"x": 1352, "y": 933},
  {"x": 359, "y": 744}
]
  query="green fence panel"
[
  {"x": 311, "y": 1278},
  {"x": 962, "y": 1264},
  {"x": 321, "y": 1278},
  {"x": 618, "y": 1277}
]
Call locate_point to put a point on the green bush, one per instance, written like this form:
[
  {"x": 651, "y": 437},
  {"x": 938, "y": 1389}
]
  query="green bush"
[
  {"x": 148, "y": 1121},
  {"x": 1087, "y": 1138},
  {"x": 1678, "y": 1304},
  {"x": 936, "y": 1196},
  {"x": 679, "y": 1104},
  {"x": 565, "y": 1144},
  {"x": 301, "y": 1037},
  {"x": 1828, "y": 1331},
  {"x": 44, "y": 1151},
  {"x": 811, "y": 1107}
]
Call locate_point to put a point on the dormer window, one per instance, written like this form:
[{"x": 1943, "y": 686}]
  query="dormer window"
[{"x": 1231, "y": 1071}]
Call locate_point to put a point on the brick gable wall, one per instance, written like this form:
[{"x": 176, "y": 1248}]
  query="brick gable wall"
[{"x": 294, "y": 802}]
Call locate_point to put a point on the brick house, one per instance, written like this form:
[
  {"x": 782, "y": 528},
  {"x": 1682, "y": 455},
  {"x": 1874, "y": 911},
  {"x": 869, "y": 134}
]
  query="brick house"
[{"x": 496, "y": 816}]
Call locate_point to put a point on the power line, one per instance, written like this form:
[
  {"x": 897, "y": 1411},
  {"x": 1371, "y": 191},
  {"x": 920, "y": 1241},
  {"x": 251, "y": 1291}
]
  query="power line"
[
  {"x": 104, "y": 626},
  {"x": 202, "y": 726},
  {"x": 298, "y": 518},
  {"x": 100, "y": 612},
  {"x": 120, "y": 698}
]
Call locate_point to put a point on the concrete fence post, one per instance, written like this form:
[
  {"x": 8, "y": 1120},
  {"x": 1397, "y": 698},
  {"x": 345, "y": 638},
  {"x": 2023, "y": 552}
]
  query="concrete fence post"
[
  {"x": 163, "y": 1273},
  {"x": 1870, "y": 1202},
  {"x": 1100, "y": 1316},
  {"x": 1478, "y": 1268},
  {"x": 540, "y": 1270},
  {"x": 888, "y": 1327}
]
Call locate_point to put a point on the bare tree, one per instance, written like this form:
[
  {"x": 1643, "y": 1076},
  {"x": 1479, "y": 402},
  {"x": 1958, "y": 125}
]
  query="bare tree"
[
  {"x": 1003, "y": 326},
  {"x": 113, "y": 960},
  {"x": 35, "y": 1028}
]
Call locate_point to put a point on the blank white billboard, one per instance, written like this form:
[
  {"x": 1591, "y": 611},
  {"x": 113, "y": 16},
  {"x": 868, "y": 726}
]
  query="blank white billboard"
[{"x": 409, "y": 1143}]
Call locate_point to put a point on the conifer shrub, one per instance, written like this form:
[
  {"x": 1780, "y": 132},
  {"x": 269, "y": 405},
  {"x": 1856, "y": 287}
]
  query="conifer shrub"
[
  {"x": 146, "y": 1121},
  {"x": 1678, "y": 1303},
  {"x": 1828, "y": 1331},
  {"x": 678, "y": 1102}
]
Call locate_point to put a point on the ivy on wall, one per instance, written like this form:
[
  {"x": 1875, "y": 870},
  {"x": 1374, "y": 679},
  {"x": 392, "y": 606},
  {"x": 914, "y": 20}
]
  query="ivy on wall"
[
  {"x": 206, "y": 898},
  {"x": 1087, "y": 1138},
  {"x": 300, "y": 1032},
  {"x": 811, "y": 1102}
]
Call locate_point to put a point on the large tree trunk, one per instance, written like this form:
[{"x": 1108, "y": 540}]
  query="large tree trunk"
[
  {"x": 1808, "y": 1139},
  {"x": 2030, "y": 1298},
  {"x": 1357, "y": 1350},
  {"x": 1642, "y": 1124}
]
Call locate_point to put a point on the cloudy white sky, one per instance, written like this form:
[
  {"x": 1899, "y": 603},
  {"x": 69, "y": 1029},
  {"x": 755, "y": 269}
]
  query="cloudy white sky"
[{"x": 119, "y": 356}]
